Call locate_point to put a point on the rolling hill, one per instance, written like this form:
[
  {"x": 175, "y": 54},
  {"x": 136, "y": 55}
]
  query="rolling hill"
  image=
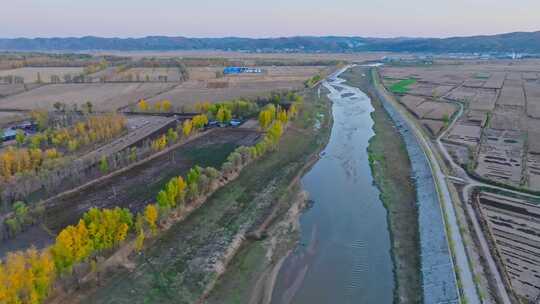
[{"x": 524, "y": 42}]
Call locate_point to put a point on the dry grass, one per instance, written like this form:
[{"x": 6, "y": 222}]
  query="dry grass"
[
  {"x": 104, "y": 96},
  {"x": 30, "y": 74}
]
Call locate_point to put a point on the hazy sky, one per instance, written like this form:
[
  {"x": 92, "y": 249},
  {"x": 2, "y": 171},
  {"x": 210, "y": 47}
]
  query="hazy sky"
[{"x": 260, "y": 18}]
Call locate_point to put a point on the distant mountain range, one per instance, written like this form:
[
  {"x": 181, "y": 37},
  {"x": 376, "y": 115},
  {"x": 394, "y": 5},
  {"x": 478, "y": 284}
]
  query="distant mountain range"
[{"x": 522, "y": 42}]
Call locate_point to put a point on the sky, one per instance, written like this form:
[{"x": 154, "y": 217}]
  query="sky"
[{"x": 262, "y": 18}]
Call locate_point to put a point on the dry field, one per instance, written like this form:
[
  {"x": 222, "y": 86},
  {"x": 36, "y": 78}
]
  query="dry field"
[
  {"x": 513, "y": 224},
  {"x": 532, "y": 91},
  {"x": 512, "y": 93},
  {"x": 501, "y": 100},
  {"x": 464, "y": 134},
  {"x": 8, "y": 117},
  {"x": 432, "y": 114},
  {"x": 533, "y": 160},
  {"x": 501, "y": 156},
  {"x": 429, "y": 89},
  {"x": 150, "y": 74},
  {"x": 12, "y": 89},
  {"x": 30, "y": 74},
  {"x": 508, "y": 119},
  {"x": 427, "y": 109},
  {"x": 199, "y": 88},
  {"x": 104, "y": 96}
]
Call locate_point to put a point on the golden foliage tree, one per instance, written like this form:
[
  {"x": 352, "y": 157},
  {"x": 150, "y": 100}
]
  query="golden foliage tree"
[
  {"x": 151, "y": 215},
  {"x": 187, "y": 126},
  {"x": 142, "y": 105}
]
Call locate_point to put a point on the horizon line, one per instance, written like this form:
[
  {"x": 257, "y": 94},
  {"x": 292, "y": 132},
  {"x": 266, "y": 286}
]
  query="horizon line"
[{"x": 263, "y": 37}]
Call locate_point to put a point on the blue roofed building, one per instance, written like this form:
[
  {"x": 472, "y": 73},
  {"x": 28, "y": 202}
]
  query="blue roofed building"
[{"x": 241, "y": 70}]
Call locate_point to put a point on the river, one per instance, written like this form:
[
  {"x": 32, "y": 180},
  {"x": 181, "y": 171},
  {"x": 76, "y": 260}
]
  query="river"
[{"x": 344, "y": 251}]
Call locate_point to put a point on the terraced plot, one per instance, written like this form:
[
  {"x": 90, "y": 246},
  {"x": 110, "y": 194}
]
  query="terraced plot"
[
  {"x": 532, "y": 91},
  {"x": 514, "y": 226},
  {"x": 512, "y": 94},
  {"x": 501, "y": 156}
]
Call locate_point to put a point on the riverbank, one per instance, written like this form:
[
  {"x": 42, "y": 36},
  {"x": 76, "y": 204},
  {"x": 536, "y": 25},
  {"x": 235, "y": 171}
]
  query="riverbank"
[{"x": 391, "y": 170}]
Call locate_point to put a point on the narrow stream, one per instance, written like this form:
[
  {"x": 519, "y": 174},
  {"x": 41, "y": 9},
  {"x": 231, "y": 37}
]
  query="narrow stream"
[{"x": 344, "y": 252}]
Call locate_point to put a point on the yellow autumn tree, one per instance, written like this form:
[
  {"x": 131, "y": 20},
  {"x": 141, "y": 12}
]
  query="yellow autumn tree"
[
  {"x": 187, "y": 127},
  {"x": 199, "y": 121},
  {"x": 282, "y": 116},
  {"x": 166, "y": 105},
  {"x": 151, "y": 215},
  {"x": 143, "y": 105}
]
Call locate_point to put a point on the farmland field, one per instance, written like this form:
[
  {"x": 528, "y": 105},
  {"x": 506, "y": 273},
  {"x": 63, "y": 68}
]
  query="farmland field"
[
  {"x": 104, "y": 96},
  {"x": 152, "y": 74},
  {"x": 30, "y": 74},
  {"x": 402, "y": 86},
  {"x": 198, "y": 88}
]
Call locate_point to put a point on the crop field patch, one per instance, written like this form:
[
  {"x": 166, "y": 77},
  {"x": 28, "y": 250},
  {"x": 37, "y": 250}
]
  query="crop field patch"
[
  {"x": 513, "y": 225},
  {"x": 104, "y": 96},
  {"x": 33, "y": 74},
  {"x": 425, "y": 109},
  {"x": 12, "y": 89},
  {"x": 484, "y": 100},
  {"x": 501, "y": 156},
  {"x": 512, "y": 95},
  {"x": 429, "y": 89},
  {"x": 508, "y": 119},
  {"x": 462, "y": 94},
  {"x": 532, "y": 92},
  {"x": 171, "y": 74},
  {"x": 403, "y": 86},
  {"x": 464, "y": 134},
  {"x": 495, "y": 81}
]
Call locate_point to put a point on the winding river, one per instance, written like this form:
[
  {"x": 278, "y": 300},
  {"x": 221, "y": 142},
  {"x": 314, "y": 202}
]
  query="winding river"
[{"x": 344, "y": 252}]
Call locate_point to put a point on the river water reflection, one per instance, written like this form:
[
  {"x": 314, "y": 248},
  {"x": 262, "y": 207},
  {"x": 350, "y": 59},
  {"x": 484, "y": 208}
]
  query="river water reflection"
[{"x": 344, "y": 253}]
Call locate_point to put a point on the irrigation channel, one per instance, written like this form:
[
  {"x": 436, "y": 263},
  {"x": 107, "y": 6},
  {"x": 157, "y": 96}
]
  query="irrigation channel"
[{"x": 344, "y": 252}]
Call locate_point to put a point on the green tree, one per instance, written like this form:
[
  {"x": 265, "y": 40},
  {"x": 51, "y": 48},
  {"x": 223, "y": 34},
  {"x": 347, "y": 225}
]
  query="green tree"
[
  {"x": 19, "y": 137},
  {"x": 103, "y": 165}
]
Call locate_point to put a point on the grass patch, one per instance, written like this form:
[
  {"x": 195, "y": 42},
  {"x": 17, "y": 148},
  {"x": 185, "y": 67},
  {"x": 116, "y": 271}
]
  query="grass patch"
[
  {"x": 213, "y": 155},
  {"x": 483, "y": 76},
  {"x": 402, "y": 86}
]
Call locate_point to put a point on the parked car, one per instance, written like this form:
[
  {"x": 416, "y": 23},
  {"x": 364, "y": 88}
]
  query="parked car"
[{"x": 235, "y": 122}]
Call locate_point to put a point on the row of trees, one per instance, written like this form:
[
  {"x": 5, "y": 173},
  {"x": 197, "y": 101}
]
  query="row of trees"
[
  {"x": 185, "y": 130},
  {"x": 98, "y": 230},
  {"x": 96, "y": 128},
  {"x": 271, "y": 113},
  {"x": 235, "y": 108},
  {"x": 20, "y": 160},
  {"x": 160, "y": 106}
]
